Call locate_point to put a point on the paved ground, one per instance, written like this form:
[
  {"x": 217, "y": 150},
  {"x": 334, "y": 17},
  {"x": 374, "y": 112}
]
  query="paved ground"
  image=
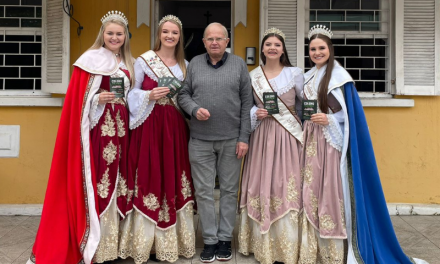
[{"x": 418, "y": 235}]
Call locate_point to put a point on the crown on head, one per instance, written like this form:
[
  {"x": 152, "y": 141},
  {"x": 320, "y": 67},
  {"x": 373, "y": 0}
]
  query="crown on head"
[
  {"x": 275, "y": 31},
  {"x": 168, "y": 18},
  {"x": 320, "y": 29},
  {"x": 114, "y": 15}
]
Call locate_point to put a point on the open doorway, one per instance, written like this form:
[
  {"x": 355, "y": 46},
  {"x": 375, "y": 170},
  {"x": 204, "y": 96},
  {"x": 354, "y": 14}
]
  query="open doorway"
[{"x": 195, "y": 16}]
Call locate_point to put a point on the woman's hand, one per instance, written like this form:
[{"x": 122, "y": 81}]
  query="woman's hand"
[
  {"x": 105, "y": 97},
  {"x": 261, "y": 113},
  {"x": 158, "y": 92},
  {"x": 320, "y": 119}
]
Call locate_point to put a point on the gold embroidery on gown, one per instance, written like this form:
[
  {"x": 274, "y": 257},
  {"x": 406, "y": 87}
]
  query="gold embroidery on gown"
[
  {"x": 122, "y": 186},
  {"x": 121, "y": 124},
  {"x": 275, "y": 204},
  {"x": 103, "y": 185},
  {"x": 151, "y": 202},
  {"x": 326, "y": 222},
  {"x": 109, "y": 153},
  {"x": 108, "y": 128},
  {"x": 186, "y": 186},
  {"x": 164, "y": 215},
  {"x": 292, "y": 192}
]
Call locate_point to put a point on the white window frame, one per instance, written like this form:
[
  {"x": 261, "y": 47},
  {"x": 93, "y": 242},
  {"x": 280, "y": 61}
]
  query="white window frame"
[{"x": 39, "y": 97}]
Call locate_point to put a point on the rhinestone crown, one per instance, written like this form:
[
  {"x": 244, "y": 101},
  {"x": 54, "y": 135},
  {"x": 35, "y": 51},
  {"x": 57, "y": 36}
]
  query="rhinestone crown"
[
  {"x": 320, "y": 29},
  {"x": 168, "y": 18},
  {"x": 275, "y": 31},
  {"x": 116, "y": 15}
]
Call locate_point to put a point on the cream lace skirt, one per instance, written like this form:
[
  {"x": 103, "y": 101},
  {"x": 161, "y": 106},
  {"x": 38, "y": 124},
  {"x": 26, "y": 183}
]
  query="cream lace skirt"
[{"x": 139, "y": 237}]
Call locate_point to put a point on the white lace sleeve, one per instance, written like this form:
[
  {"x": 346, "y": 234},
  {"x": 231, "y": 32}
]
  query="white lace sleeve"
[
  {"x": 96, "y": 111},
  {"x": 254, "y": 120},
  {"x": 138, "y": 100}
]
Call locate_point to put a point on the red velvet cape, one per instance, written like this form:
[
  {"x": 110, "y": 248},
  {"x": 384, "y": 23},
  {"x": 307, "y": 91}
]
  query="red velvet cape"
[{"x": 65, "y": 223}]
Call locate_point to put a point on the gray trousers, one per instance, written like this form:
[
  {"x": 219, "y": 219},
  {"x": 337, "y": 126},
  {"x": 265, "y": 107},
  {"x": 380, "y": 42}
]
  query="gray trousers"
[{"x": 209, "y": 158}]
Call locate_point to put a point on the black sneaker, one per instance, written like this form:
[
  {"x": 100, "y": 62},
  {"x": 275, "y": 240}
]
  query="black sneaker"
[
  {"x": 224, "y": 251},
  {"x": 208, "y": 253}
]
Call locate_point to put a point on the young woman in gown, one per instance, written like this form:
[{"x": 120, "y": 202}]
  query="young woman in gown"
[
  {"x": 345, "y": 217},
  {"x": 163, "y": 198},
  {"x": 89, "y": 189},
  {"x": 270, "y": 200}
]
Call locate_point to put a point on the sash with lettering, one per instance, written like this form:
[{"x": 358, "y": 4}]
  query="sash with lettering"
[
  {"x": 160, "y": 70},
  {"x": 285, "y": 118}
]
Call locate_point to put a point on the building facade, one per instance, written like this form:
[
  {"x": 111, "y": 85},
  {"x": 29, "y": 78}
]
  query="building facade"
[{"x": 388, "y": 46}]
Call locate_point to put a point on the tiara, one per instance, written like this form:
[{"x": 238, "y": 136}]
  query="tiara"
[
  {"x": 320, "y": 29},
  {"x": 170, "y": 17},
  {"x": 114, "y": 15},
  {"x": 275, "y": 31}
]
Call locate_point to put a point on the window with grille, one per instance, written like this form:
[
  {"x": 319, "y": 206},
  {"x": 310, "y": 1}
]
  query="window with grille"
[
  {"x": 361, "y": 38},
  {"x": 20, "y": 44}
]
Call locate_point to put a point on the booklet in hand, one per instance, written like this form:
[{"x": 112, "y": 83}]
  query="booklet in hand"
[
  {"x": 309, "y": 107},
  {"x": 270, "y": 101},
  {"x": 117, "y": 86}
]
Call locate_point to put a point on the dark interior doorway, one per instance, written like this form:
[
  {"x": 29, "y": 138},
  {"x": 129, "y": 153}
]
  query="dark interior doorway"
[{"x": 195, "y": 16}]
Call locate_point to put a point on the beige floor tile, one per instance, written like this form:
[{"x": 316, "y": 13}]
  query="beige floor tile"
[
  {"x": 24, "y": 257},
  {"x": 16, "y": 250},
  {"x": 17, "y": 235},
  {"x": 242, "y": 259},
  {"x": 4, "y": 259}
]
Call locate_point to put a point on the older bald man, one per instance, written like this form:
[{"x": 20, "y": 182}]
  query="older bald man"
[{"x": 217, "y": 94}]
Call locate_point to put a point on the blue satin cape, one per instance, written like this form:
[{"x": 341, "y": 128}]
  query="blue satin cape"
[{"x": 375, "y": 239}]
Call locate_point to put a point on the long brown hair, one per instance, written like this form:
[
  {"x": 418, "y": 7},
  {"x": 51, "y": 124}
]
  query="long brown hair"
[
  {"x": 284, "y": 59},
  {"x": 323, "y": 85},
  {"x": 178, "y": 50},
  {"x": 126, "y": 57}
]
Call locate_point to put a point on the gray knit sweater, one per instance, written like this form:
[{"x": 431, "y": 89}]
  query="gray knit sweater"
[{"x": 225, "y": 92}]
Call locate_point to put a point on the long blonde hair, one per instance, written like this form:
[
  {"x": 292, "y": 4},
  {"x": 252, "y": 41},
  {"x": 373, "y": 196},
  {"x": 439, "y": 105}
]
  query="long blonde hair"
[
  {"x": 126, "y": 57},
  {"x": 178, "y": 50}
]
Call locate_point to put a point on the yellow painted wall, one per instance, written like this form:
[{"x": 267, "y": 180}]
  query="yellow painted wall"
[{"x": 406, "y": 140}]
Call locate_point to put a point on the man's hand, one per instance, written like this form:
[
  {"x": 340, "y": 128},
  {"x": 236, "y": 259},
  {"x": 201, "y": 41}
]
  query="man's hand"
[
  {"x": 202, "y": 114},
  {"x": 241, "y": 149}
]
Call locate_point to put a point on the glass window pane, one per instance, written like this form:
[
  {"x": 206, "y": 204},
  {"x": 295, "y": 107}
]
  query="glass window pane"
[
  {"x": 360, "y": 15},
  {"x": 17, "y": 60},
  {"x": 381, "y": 42},
  {"x": 380, "y": 63},
  {"x": 379, "y": 87},
  {"x": 319, "y": 4},
  {"x": 338, "y": 41},
  {"x": 9, "y": 72},
  {"x": 37, "y": 84},
  {"x": 364, "y": 86},
  {"x": 31, "y": 2},
  {"x": 19, "y": 38},
  {"x": 354, "y": 74},
  {"x": 345, "y": 51},
  {"x": 370, "y": 26},
  {"x": 9, "y": 47},
  {"x": 345, "y": 4},
  {"x": 1, "y": 63},
  {"x": 9, "y": 2},
  {"x": 38, "y": 12},
  {"x": 28, "y": 72},
  {"x": 2, "y": 12},
  {"x": 31, "y": 48},
  {"x": 360, "y": 41},
  {"x": 307, "y": 63},
  {"x": 313, "y": 15},
  {"x": 376, "y": 51},
  {"x": 9, "y": 22},
  {"x": 331, "y": 16},
  {"x": 360, "y": 63},
  {"x": 370, "y": 4},
  {"x": 18, "y": 11},
  {"x": 27, "y": 84},
  {"x": 373, "y": 75},
  {"x": 377, "y": 16},
  {"x": 31, "y": 22},
  {"x": 345, "y": 26},
  {"x": 38, "y": 60}
]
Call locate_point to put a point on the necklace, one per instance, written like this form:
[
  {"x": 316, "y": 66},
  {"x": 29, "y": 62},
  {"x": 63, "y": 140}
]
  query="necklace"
[{"x": 117, "y": 54}]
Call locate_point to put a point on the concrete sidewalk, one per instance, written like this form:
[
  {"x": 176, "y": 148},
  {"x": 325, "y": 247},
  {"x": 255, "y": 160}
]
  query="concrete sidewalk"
[{"x": 419, "y": 237}]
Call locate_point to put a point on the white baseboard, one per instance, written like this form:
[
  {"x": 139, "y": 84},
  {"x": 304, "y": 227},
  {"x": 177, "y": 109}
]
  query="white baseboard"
[
  {"x": 393, "y": 209},
  {"x": 21, "y": 209},
  {"x": 413, "y": 209}
]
